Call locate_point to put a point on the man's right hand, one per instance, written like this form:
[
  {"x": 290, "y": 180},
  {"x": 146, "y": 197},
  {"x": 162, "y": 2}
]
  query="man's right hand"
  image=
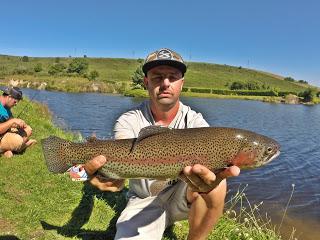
[
  {"x": 103, "y": 184},
  {"x": 17, "y": 123}
]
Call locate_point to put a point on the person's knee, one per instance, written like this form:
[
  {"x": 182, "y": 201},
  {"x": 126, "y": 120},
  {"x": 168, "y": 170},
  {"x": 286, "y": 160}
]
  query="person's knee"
[
  {"x": 12, "y": 141},
  {"x": 28, "y": 130}
]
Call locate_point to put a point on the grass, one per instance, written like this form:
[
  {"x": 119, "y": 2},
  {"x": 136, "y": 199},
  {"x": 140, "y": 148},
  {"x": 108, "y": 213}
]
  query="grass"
[
  {"x": 36, "y": 204},
  {"x": 115, "y": 75}
]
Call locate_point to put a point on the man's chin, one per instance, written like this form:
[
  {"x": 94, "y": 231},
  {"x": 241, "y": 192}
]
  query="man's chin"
[{"x": 165, "y": 100}]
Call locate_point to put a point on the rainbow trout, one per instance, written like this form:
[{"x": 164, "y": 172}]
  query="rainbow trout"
[{"x": 161, "y": 153}]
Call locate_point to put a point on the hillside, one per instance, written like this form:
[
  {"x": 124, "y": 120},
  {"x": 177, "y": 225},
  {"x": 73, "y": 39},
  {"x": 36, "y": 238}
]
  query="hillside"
[{"x": 119, "y": 71}]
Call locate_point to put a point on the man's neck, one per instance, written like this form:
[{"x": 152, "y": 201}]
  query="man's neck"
[
  {"x": 163, "y": 116},
  {"x": 2, "y": 101}
]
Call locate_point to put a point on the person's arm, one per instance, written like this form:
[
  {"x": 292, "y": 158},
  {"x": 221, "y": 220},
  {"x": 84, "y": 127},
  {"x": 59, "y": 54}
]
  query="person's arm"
[{"x": 11, "y": 123}]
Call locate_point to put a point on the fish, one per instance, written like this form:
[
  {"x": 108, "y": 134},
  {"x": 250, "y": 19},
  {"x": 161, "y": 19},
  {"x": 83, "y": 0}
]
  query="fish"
[{"x": 162, "y": 153}]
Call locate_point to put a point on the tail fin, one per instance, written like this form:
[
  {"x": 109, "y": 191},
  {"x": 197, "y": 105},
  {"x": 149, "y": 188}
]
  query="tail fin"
[{"x": 54, "y": 150}]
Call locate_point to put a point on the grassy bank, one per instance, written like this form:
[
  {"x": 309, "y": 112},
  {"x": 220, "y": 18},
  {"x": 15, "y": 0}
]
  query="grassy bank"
[{"x": 36, "y": 204}]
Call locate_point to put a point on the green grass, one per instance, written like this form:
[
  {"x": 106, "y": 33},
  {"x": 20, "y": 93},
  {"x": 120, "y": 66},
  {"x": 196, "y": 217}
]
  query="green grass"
[
  {"x": 115, "y": 75},
  {"x": 36, "y": 204}
]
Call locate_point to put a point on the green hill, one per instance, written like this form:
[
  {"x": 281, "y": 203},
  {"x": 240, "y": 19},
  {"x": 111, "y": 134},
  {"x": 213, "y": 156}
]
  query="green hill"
[{"x": 118, "y": 71}]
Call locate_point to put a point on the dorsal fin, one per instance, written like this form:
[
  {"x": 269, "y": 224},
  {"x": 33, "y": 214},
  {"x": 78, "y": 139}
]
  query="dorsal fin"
[{"x": 148, "y": 132}]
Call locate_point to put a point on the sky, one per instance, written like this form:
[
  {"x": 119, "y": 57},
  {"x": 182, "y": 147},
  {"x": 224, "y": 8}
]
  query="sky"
[{"x": 277, "y": 36}]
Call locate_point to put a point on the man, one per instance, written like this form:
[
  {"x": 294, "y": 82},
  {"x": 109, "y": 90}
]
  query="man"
[
  {"x": 154, "y": 205},
  {"x": 14, "y": 132}
]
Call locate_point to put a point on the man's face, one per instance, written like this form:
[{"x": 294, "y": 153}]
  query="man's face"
[
  {"x": 164, "y": 84},
  {"x": 11, "y": 101}
]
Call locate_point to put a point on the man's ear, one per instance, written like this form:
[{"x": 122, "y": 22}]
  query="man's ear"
[
  {"x": 145, "y": 81},
  {"x": 182, "y": 83}
]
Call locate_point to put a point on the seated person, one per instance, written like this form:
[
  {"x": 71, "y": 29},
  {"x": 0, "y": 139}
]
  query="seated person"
[{"x": 14, "y": 132}]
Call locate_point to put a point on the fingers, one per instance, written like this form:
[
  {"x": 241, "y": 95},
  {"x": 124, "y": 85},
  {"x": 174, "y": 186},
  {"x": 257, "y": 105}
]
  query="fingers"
[
  {"x": 201, "y": 179},
  {"x": 232, "y": 171},
  {"x": 103, "y": 184},
  {"x": 95, "y": 164}
]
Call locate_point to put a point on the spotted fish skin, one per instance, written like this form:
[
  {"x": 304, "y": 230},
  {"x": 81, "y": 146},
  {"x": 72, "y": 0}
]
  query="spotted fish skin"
[{"x": 162, "y": 153}]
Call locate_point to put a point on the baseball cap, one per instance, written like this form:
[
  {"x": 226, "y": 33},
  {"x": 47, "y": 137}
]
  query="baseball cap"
[
  {"x": 164, "y": 56},
  {"x": 15, "y": 92}
]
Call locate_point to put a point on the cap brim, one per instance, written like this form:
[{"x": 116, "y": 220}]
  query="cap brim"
[{"x": 179, "y": 65}]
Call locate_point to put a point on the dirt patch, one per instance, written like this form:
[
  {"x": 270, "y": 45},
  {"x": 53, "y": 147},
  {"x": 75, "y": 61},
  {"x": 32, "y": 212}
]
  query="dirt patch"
[{"x": 6, "y": 226}]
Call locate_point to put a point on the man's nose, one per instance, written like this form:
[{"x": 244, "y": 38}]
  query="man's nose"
[{"x": 166, "y": 82}]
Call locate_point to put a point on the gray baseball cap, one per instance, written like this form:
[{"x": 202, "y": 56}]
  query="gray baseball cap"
[
  {"x": 15, "y": 92},
  {"x": 164, "y": 56}
]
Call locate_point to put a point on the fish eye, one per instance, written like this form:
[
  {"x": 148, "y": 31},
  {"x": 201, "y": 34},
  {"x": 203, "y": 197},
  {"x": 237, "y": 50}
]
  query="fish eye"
[{"x": 269, "y": 150}]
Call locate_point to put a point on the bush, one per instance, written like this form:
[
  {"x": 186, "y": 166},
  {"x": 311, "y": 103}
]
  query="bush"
[
  {"x": 93, "y": 75},
  {"x": 237, "y": 85},
  {"x": 56, "y": 68},
  {"x": 201, "y": 90},
  {"x": 78, "y": 65},
  {"x": 308, "y": 95},
  {"x": 38, "y": 67},
  {"x": 250, "y": 85},
  {"x": 185, "y": 89}
]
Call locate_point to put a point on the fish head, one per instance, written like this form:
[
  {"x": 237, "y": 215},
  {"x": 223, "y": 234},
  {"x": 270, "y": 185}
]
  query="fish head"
[{"x": 255, "y": 150}]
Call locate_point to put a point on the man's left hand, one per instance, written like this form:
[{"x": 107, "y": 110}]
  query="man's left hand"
[{"x": 201, "y": 179}]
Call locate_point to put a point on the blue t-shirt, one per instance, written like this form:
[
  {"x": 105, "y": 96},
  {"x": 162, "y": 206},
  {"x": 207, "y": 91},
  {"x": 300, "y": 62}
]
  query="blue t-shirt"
[{"x": 5, "y": 113}]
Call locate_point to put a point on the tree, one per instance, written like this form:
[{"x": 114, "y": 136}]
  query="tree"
[
  {"x": 78, "y": 65},
  {"x": 137, "y": 78},
  {"x": 25, "y": 59},
  {"x": 290, "y": 79}
]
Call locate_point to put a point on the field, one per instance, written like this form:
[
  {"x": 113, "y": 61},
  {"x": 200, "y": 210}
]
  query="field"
[{"x": 115, "y": 75}]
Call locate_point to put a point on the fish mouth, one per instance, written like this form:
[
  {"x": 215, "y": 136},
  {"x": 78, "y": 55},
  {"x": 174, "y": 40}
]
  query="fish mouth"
[{"x": 272, "y": 157}]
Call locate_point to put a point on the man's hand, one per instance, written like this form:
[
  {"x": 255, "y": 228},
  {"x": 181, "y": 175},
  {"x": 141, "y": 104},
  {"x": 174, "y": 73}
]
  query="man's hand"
[
  {"x": 103, "y": 184},
  {"x": 201, "y": 179},
  {"x": 212, "y": 187},
  {"x": 17, "y": 123}
]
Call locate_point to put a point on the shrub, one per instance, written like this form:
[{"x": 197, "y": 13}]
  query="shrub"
[
  {"x": 237, "y": 85},
  {"x": 93, "y": 75},
  {"x": 78, "y": 65},
  {"x": 56, "y": 68},
  {"x": 200, "y": 90},
  {"x": 308, "y": 95},
  {"x": 38, "y": 67}
]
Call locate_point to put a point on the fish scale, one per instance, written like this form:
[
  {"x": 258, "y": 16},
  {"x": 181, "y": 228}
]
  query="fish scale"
[{"x": 162, "y": 153}]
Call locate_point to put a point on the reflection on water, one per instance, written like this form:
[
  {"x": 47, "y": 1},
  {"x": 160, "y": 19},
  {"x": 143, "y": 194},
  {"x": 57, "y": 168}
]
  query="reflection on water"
[{"x": 295, "y": 127}]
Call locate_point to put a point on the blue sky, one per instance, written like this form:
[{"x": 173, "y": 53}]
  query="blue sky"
[{"x": 278, "y": 36}]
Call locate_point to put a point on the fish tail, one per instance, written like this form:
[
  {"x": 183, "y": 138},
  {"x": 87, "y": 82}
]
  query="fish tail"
[{"x": 54, "y": 150}]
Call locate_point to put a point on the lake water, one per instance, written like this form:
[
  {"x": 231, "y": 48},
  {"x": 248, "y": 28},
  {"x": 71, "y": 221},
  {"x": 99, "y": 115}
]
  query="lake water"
[{"x": 295, "y": 127}]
